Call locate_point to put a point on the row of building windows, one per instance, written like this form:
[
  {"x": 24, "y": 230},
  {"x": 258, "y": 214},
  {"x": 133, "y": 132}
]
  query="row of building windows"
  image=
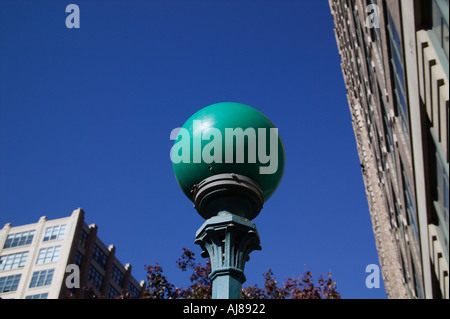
[
  {"x": 51, "y": 254},
  {"x": 38, "y": 279},
  {"x": 45, "y": 277},
  {"x": 37, "y": 296},
  {"x": 18, "y": 260},
  {"x": 395, "y": 49},
  {"x": 407, "y": 225},
  {"x": 405, "y": 229},
  {"x": 97, "y": 254},
  {"x": 386, "y": 131},
  {"x": 355, "y": 44},
  {"x": 96, "y": 278},
  {"x": 26, "y": 238},
  {"x": 19, "y": 239},
  {"x": 113, "y": 292}
]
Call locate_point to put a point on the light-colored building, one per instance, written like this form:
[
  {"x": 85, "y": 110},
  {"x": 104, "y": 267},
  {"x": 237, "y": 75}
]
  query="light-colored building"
[
  {"x": 34, "y": 261},
  {"x": 395, "y": 62}
]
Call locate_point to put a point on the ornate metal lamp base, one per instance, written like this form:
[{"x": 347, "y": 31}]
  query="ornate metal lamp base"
[
  {"x": 228, "y": 236},
  {"x": 228, "y": 240}
]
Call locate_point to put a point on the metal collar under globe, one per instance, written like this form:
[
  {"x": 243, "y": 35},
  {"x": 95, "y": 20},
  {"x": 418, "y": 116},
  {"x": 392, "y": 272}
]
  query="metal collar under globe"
[{"x": 234, "y": 193}]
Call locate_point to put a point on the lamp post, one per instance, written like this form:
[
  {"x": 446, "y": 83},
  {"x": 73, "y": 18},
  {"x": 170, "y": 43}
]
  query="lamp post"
[{"x": 228, "y": 159}]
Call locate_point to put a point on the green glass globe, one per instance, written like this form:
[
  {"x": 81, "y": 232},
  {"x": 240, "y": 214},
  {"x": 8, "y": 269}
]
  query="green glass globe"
[{"x": 228, "y": 137}]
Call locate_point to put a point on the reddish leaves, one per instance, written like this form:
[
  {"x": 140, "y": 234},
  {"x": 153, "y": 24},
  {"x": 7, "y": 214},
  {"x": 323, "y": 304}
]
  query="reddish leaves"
[{"x": 303, "y": 287}]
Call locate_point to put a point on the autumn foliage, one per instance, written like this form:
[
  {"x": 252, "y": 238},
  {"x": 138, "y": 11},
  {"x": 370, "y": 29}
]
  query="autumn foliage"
[{"x": 303, "y": 287}]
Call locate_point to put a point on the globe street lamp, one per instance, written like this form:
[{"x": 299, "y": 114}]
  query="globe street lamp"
[{"x": 228, "y": 159}]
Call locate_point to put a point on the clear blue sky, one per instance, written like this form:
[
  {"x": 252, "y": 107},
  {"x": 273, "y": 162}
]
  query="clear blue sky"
[{"x": 86, "y": 116}]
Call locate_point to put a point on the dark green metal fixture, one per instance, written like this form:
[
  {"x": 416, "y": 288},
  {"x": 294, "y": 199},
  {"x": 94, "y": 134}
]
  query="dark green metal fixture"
[{"x": 230, "y": 191}]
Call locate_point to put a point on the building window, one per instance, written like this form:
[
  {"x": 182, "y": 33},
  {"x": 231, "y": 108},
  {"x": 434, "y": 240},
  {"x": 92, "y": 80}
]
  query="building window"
[
  {"x": 9, "y": 283},
  {"x": 83, "y": 238},
  {"x": 397, "y": 73},
  {"x": 13, "y": 261},
  {"x": 135, "y": 292},
  {"x": 386, "y": 124},
  {"x": 117, "y": 275},
  {"x": 375, "y": 33},
  {"x": 38, "y": 296},
  {"x": 112, "y": 292},
  {"x": 411, "y": 213},
  {"x": 54, "y": 232},
  {"x": 440, "y": 24},
  {"x": 19, "y": 239},
  {"x": 99, "y": 256},
  {"x": 48, "y": 255},
  {"x": 78, "y": 259},
  {"x": 417, "y": 285},
  {"x": 42, "y": 278},
  {"x": 95, "y": 277},
  {"x": 397, "y": 212}
]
